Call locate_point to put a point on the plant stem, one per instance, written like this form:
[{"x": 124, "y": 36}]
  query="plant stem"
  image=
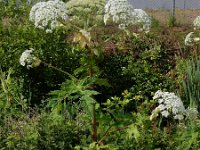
[
  {"x": 107, "y": 133},
  {"x": 94, "y": 119},
  {"x": 58, "y": 69}
]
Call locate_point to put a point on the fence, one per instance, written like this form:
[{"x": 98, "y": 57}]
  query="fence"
[
  {"x": 185, "y": 11},
  {"x": 165, "y": 4}
]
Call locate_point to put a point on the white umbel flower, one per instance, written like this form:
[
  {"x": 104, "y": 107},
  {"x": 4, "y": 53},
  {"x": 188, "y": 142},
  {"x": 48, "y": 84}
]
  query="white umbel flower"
[
  {"x": 46, "y": 15},
  {"x": 79, "y": 8},
  {"x": 169, "y": 104},
  {"x": 141, "y": 17},
  {"x": 191, "y": 39},
  {"x": 196, "y": 23},
  {"x": 86, "y": 13},
  {"x": 28, "y": 59},
  {"x": 119, "y": 11},
  {"x": 122, "y": 13}
]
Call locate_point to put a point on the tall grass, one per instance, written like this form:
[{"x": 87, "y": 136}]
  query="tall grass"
[{"x": 191, "y": 82}]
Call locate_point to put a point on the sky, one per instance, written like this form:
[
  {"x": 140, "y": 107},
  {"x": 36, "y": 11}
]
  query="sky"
[{"x": 165, "y": 4}]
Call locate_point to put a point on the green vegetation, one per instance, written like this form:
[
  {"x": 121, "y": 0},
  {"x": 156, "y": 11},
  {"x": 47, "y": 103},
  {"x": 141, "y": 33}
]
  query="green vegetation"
[{"x": 95, "y": 88}]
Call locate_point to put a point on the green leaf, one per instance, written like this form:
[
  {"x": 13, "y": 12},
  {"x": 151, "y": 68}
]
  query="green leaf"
[
  {"x": 88, "y": 104},
  {"x": 132, "y": 131}
]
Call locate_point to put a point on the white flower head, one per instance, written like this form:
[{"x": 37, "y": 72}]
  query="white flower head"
[
  {"x": 119, "y": 11},
  {"x": 169, "y": 104},
  {"x": 46, "y": 15},
  {"x": 179, "y": 117},
  {"x": 28, "y": 59},
  {"x": 189, "y": 39},
  {"x": 122, "y": 13},
  {"x": 141, "y": 17},
  {"x": 158, "y": 94},
  {"x": 86, "y": 12},
  {"x": 165, "y": 113},
  {"x": 196, "y": 23},
  {"x": 80, "y": 7}
]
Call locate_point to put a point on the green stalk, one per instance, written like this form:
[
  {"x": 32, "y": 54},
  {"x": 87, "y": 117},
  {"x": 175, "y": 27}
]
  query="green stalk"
[{"x": 60, "y": 70}]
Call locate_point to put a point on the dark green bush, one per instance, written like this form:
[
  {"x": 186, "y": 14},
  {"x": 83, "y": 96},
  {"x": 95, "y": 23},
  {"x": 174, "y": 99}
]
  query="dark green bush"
[{"x": 142, "y": 68}]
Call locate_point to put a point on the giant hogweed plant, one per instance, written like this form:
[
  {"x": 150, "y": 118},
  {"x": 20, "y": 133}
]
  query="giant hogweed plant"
[{"x": 53, "y": 14}]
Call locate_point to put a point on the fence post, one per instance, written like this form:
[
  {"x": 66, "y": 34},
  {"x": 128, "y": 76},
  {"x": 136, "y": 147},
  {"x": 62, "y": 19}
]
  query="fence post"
[
  {"x": 184, "y": 6},
  {"x": 174, "y": 13}
]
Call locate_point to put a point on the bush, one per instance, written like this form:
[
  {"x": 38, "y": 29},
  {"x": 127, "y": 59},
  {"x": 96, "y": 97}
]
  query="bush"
[{"x": 39, "y": 131}]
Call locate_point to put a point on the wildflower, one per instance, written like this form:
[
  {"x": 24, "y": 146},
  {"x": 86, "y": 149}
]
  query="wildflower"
[
  {"x": 122, "y": 13},
  {"x": 157, "y": 95},
  {"x": 169, "y": 104},
  {"x": 86, "y": 12},
  {"x": 191, "y": 39},
  {"x": 179, "y": 117},
  {"x": 165, "y": 113},
  {"x": 196, "y": 23},
  {"x": 141, "y": 17},
  {"x": 28, "y": 59},
  {"x": 80, "y": 7},
  {"x": 46, "y": 15}
]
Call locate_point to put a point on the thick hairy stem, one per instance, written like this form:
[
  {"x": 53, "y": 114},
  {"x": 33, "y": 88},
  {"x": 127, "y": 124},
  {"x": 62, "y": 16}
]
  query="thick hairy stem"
[{"x": 94, "y": 119}]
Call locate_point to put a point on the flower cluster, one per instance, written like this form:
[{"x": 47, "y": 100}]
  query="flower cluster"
[
  {"x": 28, "y": 59},
  {"x": 169, "y": 104},
  {"x": 121, "y": 12},
  {"x": 78, "y": 7},
  {"x": 83, "y": 11},
  {"x": 196, "y": 23},
  {"x": 191, "y": 39},
  {"x": 141, "y": 17},
  {"x": 46, "y": 15}
]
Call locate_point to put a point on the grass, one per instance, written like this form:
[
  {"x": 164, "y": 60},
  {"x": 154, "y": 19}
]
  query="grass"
[{"x": 183, "y": 17}]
